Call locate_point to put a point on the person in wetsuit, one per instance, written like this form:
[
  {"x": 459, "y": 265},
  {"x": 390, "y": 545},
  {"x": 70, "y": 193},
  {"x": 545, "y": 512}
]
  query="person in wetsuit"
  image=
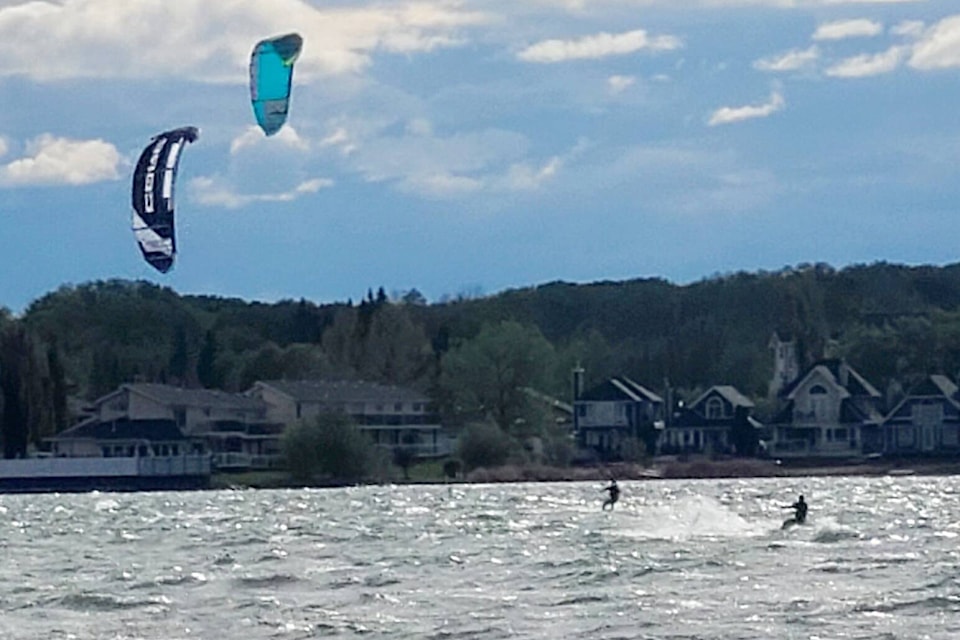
[
  {"x": 614, "y": 495},
  {"x": 799, "y": 510}
]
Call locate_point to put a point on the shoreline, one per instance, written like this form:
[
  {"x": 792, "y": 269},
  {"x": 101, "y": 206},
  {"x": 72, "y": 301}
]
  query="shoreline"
[{"x": 699, "y": 469}]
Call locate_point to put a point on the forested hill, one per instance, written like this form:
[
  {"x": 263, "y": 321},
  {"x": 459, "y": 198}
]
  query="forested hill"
[{"x": 891, "y": 322}]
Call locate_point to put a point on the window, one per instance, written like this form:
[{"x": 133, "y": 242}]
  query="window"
[
  {"x": 715, "y": 408},
  {"x": 398, "y": 406}
]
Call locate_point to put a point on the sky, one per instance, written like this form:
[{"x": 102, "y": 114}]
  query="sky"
[{"x": 468, "y": 147}]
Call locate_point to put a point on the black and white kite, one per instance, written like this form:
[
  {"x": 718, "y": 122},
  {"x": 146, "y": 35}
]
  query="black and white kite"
[{"x": 153, "y": 183}]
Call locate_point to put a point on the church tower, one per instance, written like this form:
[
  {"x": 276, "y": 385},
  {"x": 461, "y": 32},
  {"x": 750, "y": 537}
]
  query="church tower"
[{"x": 785, "y": 365}]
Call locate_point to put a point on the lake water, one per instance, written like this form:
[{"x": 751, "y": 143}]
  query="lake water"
[{"x": 879, "y": 558}]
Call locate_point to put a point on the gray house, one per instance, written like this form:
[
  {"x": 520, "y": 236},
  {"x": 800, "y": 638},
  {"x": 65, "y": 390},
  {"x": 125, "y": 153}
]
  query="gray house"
[
  {"x": 392, "y": 416},
  {"x": 232, "y": 427},
  {"x": 610, "y": 415},
  {"x": 829, "y": 411},
  {"x": 718, "y": 421},
  {"x": 926, "y": 421}
]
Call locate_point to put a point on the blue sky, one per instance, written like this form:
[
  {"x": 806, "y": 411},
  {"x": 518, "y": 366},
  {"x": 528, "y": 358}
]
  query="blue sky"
[{"x": 464, "y": 147}]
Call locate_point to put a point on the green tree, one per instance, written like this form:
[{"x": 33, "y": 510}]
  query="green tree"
[
  {"x": 484, "y": 445},
  {"x": 207, "y": 371},
  {"x": 489, "y": 374},
  {"x": 329, "y": 446}
]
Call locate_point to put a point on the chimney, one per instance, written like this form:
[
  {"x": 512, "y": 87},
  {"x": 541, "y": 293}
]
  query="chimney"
[{"x": 577, "y": 382}]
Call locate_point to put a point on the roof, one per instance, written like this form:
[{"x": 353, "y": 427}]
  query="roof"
[
  {"x": 836, "y": 370},
  {"x": 553, "y": 403},
  {"x": 327, "y": 391},
  {"x": 620, "y": 388},
  {"x": 123, "y": 429},
  {"x": 729, "y": 393},
  {"x": 933, "y": 386},
  {"x": 207, "y": 398}
]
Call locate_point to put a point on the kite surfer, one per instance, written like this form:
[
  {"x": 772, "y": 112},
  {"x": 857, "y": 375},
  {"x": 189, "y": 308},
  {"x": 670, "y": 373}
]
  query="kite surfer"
[
  {"x": 614, "y": 494},
  {"x": 799, "y": 513}
]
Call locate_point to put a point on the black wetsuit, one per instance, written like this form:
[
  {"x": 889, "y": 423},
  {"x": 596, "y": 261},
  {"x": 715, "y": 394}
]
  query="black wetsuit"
[
  {"x": 800, "y": 514},
  {"x": 614, "y": 495}
]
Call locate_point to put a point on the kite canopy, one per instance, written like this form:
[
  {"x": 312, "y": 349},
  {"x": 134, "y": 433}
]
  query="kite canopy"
[
  {"x": 153, "y": 182},
  {"x": 271, "y": 73}
]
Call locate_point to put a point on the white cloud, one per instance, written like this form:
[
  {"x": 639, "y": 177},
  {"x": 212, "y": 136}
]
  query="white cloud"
[
  {"x": 727, "y": 115},
  {"x": 524, "y": 177},
  {"x": 939, "y": 48},
  {"x": 619, "y": 84},
  {"x": 211, "y": 41},
  {"x": 441, "y": 185},
  {"x": 434, "y": 164},
  {"x": 842, "y": 29},
  {"x": 340, "y": 138},
  {"x": 213, "y": 192},
  {"x": 868, "y": 64},
  {"x": 4, "y": 146},
  {"x": 789, "y": 61},
  {"x": 56, "y": 161},
  {"x": 908, "y": 28},
  {"x": 597, "y": 46},
  {"x": 578, "y": 6},
  {"x": 253, "y": 136}
]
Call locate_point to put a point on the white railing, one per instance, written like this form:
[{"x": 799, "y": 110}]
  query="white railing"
[{"x": 105, "y": 467}]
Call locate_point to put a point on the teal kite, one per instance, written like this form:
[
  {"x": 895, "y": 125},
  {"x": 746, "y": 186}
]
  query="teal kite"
[{"x": 271, "y": 73}]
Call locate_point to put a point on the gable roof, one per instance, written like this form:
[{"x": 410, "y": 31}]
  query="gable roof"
[
  {"x": 177, "y": 396},
  {"x": 840, "y": 373},
  {"x": 936, "y": 386},
  {"x": 327, "y": 391},
  {"x": 729, "y": 393},
  {"x": 620, "y": 388},
  {"x": 122, "y": 429}
]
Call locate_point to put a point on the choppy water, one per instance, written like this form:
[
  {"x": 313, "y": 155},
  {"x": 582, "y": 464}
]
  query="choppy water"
[{"x": 677, "y": 559}]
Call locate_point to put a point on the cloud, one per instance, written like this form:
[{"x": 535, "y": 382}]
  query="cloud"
[
  {"x": 842, "y": 29},
  {"x": 789, "y": 61},
  {"x": 619, "y": 84},
  {"x": 939, "y": 47},
  {"x": 524, "y": 177},
  {"x": 426, "y": 162},
  {"x": 211, "y": 41},
  {"x": 4, "y": 146},
  {"x": 213, "y": 192},
  {"x": 908, "y": 28},
  {"x": 727, "y": 115},
  {"x": 868, "y": 65},
  {"x": 50, "y": 160},
  {"x": 253, "y": 136},
  {"x": 597, "y": 46},
  {"x": 577, "y": 6},
  {"x": 441, "y": 185}
]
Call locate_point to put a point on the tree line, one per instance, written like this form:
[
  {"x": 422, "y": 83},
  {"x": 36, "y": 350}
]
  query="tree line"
[{"x": 475, "y": 355}]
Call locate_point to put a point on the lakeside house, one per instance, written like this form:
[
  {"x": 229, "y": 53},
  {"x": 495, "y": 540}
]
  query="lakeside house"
[
  {"x": 611, "y": 416},
  {"x": 926, "y": 421},
  {"x": 720, "y": 420},
  {"x": 829, "y": 411},
  {"x": 140, "y": 419},
  {"x": 393, "y": 417}
]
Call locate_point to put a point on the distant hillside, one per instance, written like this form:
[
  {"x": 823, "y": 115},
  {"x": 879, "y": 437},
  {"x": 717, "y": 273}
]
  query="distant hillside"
[{"x": 892, "y": 322}]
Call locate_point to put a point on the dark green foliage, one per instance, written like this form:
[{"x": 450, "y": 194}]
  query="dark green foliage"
[
  {"x": 487, "y": 375},
  {"x": 207, "y": 373},
  {"x": 33, "y": 403},
  {"x": 893, "y": 323},
  {"x": 452, "y": 468},
  {"x": 327, "y": 447},
  {"x": 484, "y": 445}
]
